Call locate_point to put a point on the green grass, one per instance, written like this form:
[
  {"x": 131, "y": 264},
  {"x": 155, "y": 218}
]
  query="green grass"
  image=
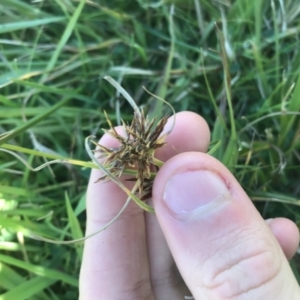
[{"x": 235, "y": 64}]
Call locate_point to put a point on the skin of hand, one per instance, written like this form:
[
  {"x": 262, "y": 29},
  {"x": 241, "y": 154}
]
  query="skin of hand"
[{"x": 206, "y": 239}]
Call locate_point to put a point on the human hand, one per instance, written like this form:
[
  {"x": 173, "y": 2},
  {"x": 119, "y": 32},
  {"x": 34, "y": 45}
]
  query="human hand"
[{"x": 205, "y": 225}]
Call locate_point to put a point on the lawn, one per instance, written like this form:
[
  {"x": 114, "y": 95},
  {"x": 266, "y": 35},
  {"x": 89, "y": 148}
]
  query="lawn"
[{"x": 236, "y": 63}]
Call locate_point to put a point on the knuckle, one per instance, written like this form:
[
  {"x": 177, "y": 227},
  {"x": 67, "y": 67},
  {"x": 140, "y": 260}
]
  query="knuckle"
[
  {"x": 241, "y": 268},
  {"x": 140, "y": 290}
]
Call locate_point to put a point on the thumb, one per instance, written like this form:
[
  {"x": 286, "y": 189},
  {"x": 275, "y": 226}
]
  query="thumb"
[{"x": 220, "y": 243}]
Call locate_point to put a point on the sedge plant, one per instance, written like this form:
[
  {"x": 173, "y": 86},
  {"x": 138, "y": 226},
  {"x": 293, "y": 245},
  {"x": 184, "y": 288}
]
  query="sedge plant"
[{"x": 135, "y": 156}]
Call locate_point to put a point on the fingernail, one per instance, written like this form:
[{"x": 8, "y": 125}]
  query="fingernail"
[{"x": 193, "y": 191}]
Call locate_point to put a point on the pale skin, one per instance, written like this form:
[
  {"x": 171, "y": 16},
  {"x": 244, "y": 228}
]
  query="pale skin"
[{"x": 227, "y": 252}]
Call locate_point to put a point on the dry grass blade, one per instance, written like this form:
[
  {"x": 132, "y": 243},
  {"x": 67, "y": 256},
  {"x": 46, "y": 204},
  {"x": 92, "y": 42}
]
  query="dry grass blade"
[{"x": 123, "y": 92}]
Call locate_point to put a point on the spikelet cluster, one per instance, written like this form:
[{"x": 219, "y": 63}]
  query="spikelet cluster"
[{"x": 136, "y": 150}]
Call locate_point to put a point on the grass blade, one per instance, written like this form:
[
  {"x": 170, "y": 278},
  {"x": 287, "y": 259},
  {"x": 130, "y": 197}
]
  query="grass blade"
[
  {"x": 9, "y": 27},
  {"x": 33, "y": 121},
  {"x": 39, "y": 270},
  {"x": 28, "y": 289},
  {"x": 66, "y": 35},
  {"x": 288, "y": 121},
  {"x": 74, "y": 225},
  {"x": 231, "y": 153},
  {"x": 163, "y": 87}
]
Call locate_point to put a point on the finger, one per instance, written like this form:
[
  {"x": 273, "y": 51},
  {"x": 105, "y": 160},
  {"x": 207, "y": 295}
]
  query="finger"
[
  {"x": 287, "y": 235},
  {"x": 191, "y": 133},
  {"x": 100, "y": 209},
  {"x": 115, "y": 263},
  {"x": 221, "y": 245}
]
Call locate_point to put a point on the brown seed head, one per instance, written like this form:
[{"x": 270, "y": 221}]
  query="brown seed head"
[{"x": 136, "y": 149}]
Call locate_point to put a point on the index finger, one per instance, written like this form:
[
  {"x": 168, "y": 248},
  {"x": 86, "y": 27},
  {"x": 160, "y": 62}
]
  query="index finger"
[{"x": 122, "y": 248}]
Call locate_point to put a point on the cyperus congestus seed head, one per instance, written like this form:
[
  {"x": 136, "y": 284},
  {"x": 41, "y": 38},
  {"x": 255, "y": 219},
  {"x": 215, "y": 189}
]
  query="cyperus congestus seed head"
[{"x": 136, "y": 150}]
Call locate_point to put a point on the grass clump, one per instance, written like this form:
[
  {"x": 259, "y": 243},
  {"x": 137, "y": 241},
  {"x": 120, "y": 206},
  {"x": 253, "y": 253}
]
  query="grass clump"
[{"x": 244, "y": 80}]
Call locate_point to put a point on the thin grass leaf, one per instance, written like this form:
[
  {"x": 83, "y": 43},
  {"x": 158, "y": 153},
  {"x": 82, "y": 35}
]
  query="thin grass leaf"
[
  {"x": 167, "y": 103},
  {"x": 26, "y": 227},
  {"x": 39, "y": 270},
  {"x": 123, "y": 92},
  {"x": 231, "y": 153},
  {"x": 22, "y": 8},
  {"x": 11, "y": 246},
  {"x": 219, "y": 118},
  {"x": 277, "y": 44},
  {"x": 163, "y": 86},
  {"x": 271, "y": 115},
  {"x": 11, "y": 190},
  {"x": 57, "y": 158},
  {"x": 219, "y": 135},
  {"x": 275, "y": 197},
  {"x": 74, "y": 225},
  {"x": 81, "y": 205},
  {"x": 214, "y": 148},
  {"x": 9, "y": 278},
  {"x": 33, "y": 121},
  {"x": 28, "y": 289},
  {"x": 9, "y": 27},
  {"x": 19, "y": 76},
  {"x": 294, "y": 106},
  {"x": 66, "y": 35},
  {"x": 47, "y": 89}
]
